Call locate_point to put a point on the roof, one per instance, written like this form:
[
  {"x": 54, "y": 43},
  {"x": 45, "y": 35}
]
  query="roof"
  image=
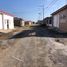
[
  {"x": 3, "y": 12},
  {"x": 16, "y": 18},
  {"x": 48, "y": 17},
  {"x": 59, "y": 10},
  {"x": 28, "y": 21}
]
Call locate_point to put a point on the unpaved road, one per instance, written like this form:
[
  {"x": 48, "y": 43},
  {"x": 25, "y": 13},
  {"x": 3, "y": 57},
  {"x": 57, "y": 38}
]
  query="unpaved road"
[
  {"x": 34, "y": 48},
  {"x": 27, "y": 52}
]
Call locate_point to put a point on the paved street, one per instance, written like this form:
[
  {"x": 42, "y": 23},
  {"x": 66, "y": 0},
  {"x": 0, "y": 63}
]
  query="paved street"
[{"x": 30, "y": 48}]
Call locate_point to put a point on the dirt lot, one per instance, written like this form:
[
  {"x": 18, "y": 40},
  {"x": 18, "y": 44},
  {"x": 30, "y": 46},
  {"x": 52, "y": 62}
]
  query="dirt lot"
[
  {"x": 33, "y": 48},
  {"x": 4, "y": 36}
]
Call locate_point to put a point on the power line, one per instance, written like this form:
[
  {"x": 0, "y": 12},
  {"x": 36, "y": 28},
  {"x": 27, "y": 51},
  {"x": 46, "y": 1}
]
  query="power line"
[
  {"x": 65, "y": 2},
  {"x": 51, "y": 4}
]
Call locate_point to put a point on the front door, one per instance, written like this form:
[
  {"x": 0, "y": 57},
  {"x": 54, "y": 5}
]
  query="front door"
[
  {"x": 56, "y": 21},
  {"x": 7, "y": 24}
]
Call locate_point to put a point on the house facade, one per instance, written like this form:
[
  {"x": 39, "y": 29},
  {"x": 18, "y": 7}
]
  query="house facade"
[
  {"x": 47, "y": 21},
  {"x": 6, "y": 21},
  {"x": 23, "y": 23},
  {"x": 60, "y": 19},
  {"x": 17, "y": 21},
  {"x": 28, "y": 23}
]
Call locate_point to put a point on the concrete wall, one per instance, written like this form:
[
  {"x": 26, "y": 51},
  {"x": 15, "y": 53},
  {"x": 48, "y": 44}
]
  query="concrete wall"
[
  {"x": 10, "y": 20},
  {"x": 56, "y": 20},
  {"x": 1, "y": 25},
  {"x": 23, "y": 23},
  {"x": 30, "y": 23},
  {"x": 6, "y": 20},
  {"x": 60, "y": 20},
  {"x": 63, "y": 21}
]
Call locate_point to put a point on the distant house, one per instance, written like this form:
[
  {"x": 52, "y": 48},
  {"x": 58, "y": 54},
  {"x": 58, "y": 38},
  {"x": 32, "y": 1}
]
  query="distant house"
[
  {"x": 17, "y": 21},
  {"x": 40, "y": 22},
  {"x": 48, "y": 21},
  {"x": 23, "y": 23},
  {"x": 6, "y": 21},
  {"x": 60, "y": 19},
  {"x": 28, "y": 23}
]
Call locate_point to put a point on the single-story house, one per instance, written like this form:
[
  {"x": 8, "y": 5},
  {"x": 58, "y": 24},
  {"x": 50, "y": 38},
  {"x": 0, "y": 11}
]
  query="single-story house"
[
  {"x": 47, "y": 21},
  {"x": 6, "y": 21},
  {"x": 28, "y": 23},
  {"x": 23, "y": 23},
  {"x": 60, "y": 19},
  {"x": 17, "y": 21},
  {"x": 40, "y": 22},
  {"x": 20, "y": 22}
]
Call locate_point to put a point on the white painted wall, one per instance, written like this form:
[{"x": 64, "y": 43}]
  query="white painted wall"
[
  {"x": 10, "y": 21},
  {"x": 56, "y": 21},
  {"x": 23, "y": 23},
  {"x": 30, "y": 23},
  {"x": 3, "y": 21},
  {"x": 1, "y": 25}
]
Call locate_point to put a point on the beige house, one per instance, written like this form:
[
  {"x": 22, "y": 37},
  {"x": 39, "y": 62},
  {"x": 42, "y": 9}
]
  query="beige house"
[
  {"x": 28, "y": 23},
  {"x": 60, "y": 19}
]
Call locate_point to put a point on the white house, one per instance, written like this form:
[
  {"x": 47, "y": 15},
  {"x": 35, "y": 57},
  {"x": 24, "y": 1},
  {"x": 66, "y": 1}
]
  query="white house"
[{"x": 6, "y": 21}]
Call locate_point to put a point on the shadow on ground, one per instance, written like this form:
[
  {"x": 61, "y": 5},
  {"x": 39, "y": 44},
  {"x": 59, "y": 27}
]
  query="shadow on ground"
[{"x": 38, "y": 31}]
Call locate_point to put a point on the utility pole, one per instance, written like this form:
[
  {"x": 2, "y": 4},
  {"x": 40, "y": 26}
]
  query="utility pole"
[
  {"x": 43, "y": 11},
  {"x": 42, "y": 7},
  {"x": 39, "y": 16}
]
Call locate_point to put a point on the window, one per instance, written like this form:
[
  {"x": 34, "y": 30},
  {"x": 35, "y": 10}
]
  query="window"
[{"x": 62, "y": 16}]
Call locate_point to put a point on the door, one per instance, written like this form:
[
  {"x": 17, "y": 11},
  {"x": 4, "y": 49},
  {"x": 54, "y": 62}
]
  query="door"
[
  {"x": 56, "y": 21},
  {"x": 7, "y": 24}
]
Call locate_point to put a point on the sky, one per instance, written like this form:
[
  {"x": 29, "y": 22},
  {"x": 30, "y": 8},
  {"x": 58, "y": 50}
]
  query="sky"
[{"x": 31, "y": 9}]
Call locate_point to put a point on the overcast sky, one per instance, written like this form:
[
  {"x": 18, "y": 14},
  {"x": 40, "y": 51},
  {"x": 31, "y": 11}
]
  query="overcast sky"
[{"x": 30, "y": 9}]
